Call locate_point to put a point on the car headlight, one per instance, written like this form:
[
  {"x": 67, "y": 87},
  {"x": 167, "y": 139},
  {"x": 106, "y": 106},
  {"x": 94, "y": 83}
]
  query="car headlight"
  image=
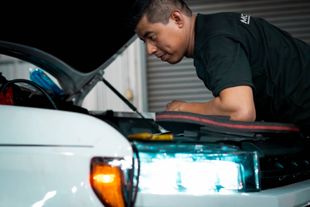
[{"x": 196, "y": 169}]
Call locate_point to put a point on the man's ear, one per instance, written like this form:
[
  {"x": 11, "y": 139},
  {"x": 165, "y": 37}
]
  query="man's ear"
[{"x": 177, "y": 17}]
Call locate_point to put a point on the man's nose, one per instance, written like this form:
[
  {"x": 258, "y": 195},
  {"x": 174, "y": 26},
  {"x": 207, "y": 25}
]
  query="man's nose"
[{"x": 150, "y": 48}]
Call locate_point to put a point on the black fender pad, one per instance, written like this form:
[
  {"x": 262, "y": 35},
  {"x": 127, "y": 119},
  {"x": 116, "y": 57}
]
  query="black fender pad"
[{"x": 179, "y": 121}]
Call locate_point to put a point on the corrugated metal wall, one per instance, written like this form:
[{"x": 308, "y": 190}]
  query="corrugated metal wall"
[{"x": 167, "y": 82}]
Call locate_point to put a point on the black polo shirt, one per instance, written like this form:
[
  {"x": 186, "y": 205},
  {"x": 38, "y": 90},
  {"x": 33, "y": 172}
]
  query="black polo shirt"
[{"x": 233, "y": 49}]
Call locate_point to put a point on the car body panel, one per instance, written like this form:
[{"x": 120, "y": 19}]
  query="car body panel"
[
  {"x": 46, "y": 176},
  {"x": 51, "y": 127},
  {"x": 45, "y": 156}
]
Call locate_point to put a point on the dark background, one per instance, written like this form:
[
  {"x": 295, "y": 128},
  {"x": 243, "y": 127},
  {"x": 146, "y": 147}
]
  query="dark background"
[{"x": 82, "y": 35}]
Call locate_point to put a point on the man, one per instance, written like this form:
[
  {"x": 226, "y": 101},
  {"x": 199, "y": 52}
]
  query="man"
[{"x": 255, "y": 70}]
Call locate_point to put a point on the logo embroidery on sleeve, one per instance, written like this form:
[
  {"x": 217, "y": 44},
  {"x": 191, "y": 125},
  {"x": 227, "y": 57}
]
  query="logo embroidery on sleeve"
[{"x": 244, "y": 18}]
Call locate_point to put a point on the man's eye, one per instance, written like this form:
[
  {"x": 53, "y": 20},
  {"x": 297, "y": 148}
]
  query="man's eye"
[{"x": 153, "y": 37}]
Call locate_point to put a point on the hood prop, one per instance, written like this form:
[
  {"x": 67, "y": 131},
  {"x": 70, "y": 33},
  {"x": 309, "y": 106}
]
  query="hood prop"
[{"x": 153, "y": 124}]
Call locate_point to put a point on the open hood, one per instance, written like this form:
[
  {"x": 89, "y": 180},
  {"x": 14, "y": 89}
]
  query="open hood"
[{"x": 74, "y": 44}]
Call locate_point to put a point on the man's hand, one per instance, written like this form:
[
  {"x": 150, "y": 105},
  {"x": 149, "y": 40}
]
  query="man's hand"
[
  {"x": 175, "y": 105},
  {"x": 235, "y": 102}
]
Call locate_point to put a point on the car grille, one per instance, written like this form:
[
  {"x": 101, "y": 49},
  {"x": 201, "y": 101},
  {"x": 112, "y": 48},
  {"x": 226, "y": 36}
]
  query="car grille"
[
  {"x": 283, "y": 160},
  {"x": 282, "y": 170}
]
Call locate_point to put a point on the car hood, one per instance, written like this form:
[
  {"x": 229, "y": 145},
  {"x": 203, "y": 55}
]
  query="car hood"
[{"x": 74, "y": 45}]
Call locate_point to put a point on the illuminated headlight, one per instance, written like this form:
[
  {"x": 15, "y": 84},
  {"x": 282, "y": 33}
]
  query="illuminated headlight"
[{"x": 196, "y": 169}]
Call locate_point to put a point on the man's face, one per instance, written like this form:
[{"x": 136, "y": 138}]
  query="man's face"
[{"x": 165, "y": 41}]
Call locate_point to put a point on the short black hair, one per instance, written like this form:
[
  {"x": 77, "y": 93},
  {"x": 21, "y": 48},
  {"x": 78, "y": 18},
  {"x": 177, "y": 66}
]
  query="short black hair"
[{"x": 156, "y": 10}]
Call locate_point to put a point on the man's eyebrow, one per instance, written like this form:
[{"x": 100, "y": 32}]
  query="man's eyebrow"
[{"x": 146, "y": 34}]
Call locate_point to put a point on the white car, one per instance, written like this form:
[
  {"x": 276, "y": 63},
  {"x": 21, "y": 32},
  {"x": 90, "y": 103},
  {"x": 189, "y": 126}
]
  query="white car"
[{"x": 53, "y": 152}]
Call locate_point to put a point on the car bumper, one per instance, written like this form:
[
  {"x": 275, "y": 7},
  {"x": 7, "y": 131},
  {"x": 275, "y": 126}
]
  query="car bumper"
[{"x": 294, "y": 195}]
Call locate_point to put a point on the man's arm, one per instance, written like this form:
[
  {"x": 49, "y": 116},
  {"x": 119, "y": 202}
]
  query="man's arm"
[{"x": 236, "y": 102}]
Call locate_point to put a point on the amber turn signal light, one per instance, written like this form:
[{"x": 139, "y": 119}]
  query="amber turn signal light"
[{"x": 107, "y": 181}]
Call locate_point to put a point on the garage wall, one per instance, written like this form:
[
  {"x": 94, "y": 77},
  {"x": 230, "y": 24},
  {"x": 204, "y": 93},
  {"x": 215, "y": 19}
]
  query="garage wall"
[
  {"x": 127, "y": 74},
  {"x": 167, "y": 82},
  {"x": 12, "y": 68}
]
